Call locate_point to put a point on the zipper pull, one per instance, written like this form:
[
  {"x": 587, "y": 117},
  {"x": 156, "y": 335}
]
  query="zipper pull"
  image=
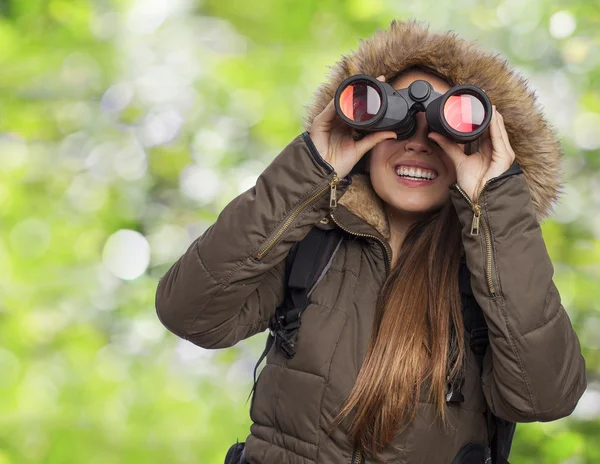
[
  {"x": 475, "y": 225},
  {"x": 332, "y": 198}
]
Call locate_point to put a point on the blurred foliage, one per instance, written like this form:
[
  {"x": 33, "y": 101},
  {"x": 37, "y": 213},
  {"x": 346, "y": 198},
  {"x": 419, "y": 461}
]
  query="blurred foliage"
[{"x": 125, "y": 127}]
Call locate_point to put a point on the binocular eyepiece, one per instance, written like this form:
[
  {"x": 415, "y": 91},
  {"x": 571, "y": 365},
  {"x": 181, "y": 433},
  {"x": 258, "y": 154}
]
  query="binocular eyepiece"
[{"x": 462, "y": 113}]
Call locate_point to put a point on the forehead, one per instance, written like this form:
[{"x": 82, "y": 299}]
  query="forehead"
[{"x": 405, "y": 79}]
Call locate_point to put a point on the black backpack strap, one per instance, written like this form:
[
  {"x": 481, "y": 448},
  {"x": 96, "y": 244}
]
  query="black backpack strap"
[
  {"x": 305, "y": 265},
  {"x": 500, "y": 431}
]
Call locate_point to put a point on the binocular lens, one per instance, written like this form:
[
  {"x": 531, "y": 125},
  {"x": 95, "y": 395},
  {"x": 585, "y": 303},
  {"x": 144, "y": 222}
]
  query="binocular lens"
[
  {"x": 360, "y": 101},
  {"x": 464, "y": 112}
]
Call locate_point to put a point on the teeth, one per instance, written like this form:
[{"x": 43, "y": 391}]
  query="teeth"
[{"x": 416, "y": 173}]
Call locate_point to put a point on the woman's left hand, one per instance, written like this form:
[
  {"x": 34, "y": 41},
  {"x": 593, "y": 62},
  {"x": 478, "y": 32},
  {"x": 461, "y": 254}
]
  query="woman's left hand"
[{"x": 495, "y": 155}]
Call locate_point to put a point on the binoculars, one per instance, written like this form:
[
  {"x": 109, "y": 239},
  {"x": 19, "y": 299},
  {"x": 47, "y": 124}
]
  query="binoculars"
[{"x": 462, "y": 113}]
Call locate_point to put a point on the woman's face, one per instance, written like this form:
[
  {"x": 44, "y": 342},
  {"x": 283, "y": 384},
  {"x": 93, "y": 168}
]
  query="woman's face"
[{"x": 399, "y": 192}]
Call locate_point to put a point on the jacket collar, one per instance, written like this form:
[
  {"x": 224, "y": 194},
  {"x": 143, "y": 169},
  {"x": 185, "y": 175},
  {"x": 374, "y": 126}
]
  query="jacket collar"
[{"x": 361, "y": 200}]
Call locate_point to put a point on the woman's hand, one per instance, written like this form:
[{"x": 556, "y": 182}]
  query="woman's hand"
[
  {"x": 495, "y": 155},
  {"x": 333, "y": 139}
]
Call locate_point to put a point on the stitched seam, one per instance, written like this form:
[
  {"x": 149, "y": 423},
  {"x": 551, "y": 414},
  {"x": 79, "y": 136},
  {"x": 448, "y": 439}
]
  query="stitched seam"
[
  {"x": 281, "y": 447},
  {"x": 500, "y": 298},
  {"x": 576, "y": 387},
  {"x": 329, "y": 308},
  {"x": 280, "y": 432},
  {"x": 293, "y": 369},
  {"x": 215, "y": 329},
  {"x": 230, "y": 320},
  {"x": 202, "y": 262},
  {"x": 274, "y": 271},
  {"x": 219, "y": 290},
  {"x": 325, "y": 387},
  {"x": 345, "y": 269},
  {"x": 317, "y": 187},
  {"x": 548, "y": 322},
  {"x": 228, "y": 278},
  {"x": 259, "y": 322},
  {"x": 254, "y": 324},
  {"x": 558, "y": 311},
  {"x": 516, "y": 353},
  {"x": 268, "y": 319},
  {"x": 279, "y": 380}
]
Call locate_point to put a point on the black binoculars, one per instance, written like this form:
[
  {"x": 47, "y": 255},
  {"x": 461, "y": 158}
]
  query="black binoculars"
[{"x": 462, "y": 113}]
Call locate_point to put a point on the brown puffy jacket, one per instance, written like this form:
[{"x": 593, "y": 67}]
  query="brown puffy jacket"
[{"x": 228, "y": 283}]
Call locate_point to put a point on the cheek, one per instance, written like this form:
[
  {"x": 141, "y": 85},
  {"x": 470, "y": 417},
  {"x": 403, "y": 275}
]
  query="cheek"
[
  {"x": 452, "y": 173},
  {"x": 449, "y": 166},
  {"x": 376, "y": 155}
]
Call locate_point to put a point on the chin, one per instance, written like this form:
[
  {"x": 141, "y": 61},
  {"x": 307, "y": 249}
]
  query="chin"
[{"x": 417, "y": 207}]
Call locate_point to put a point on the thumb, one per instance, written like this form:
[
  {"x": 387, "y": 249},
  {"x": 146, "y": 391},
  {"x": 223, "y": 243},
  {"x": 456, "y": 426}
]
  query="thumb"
[
  {"x": 368, "y": 142},
  {"x": 450, "y": 147},
  {"x": 326, "y": 116}
]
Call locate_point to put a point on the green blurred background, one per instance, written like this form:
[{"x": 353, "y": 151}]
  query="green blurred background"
[{"x": 125, "y": 127}]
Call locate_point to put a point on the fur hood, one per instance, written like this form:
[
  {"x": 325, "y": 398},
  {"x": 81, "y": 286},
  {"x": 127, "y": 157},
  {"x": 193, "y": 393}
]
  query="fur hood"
[{"x": 404, "y": 44}]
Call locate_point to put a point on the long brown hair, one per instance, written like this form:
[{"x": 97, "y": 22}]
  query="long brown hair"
[{"x": 417, "y": 339}]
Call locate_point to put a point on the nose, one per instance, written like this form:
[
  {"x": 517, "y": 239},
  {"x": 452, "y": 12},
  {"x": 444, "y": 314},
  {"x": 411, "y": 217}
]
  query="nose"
[{"x": 419, "y": 142}]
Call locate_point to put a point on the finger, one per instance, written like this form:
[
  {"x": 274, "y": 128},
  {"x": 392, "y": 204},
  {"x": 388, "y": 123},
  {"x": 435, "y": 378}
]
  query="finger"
[
  {"x": 451, "y": 148},
  {"x": 485, "y": 143},
  {"x": 327, "y": 115},
  {"x": 496, "y": 135},
  {"x": 511, "y": 152},
  {"x": 381, "y": 78},
  {"x": 368, "y": 142},
  {"x": 485, "y": 146}
]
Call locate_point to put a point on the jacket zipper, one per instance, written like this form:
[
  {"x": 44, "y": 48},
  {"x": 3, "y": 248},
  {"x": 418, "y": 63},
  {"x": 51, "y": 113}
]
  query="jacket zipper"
[
  {"x": 477, "y": 220},
  {"x": 333, "y": 205},
  {"x": 387, "y": 254},
  {"x": 357, "y": 456},
  {"x": 331, "y": 185}
]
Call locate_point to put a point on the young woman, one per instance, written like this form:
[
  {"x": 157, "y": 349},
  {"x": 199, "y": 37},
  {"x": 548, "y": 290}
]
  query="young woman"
[{"x": 384, "y": 329}]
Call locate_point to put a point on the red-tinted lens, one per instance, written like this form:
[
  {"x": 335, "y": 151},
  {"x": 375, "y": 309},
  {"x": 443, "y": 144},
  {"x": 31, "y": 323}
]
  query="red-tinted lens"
[
  {"x": 360, "y": 101},
  {"x": 464, "y": 112}
]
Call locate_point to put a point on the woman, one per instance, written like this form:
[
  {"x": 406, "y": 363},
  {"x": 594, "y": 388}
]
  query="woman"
[{"x": 384, "y": 329}]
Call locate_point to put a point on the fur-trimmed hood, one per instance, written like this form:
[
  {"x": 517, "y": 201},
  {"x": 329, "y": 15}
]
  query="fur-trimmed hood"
[{"x": 410, "y": 43}]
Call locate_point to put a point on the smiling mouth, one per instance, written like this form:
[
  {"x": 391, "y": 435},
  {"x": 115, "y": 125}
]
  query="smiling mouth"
[{"x": 415, "y": 173}]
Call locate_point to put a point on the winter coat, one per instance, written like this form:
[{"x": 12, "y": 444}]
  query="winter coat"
[{"x": 228, "y": 283}]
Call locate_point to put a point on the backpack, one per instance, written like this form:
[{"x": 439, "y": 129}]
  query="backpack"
[{"x": 306, "y": 264}]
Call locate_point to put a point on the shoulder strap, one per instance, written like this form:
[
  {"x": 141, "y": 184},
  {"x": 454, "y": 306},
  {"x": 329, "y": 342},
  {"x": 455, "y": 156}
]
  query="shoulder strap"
[
  {"x": 500, "y": 431},
  {"x": 305, "y": 265}
]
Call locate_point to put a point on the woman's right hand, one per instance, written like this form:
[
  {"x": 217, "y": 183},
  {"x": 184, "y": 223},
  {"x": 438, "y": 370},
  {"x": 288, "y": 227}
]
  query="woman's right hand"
[{"x": 333, "y": 139}]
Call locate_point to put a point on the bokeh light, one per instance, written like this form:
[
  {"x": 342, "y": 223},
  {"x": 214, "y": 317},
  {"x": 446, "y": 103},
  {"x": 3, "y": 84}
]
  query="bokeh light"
[
  {"x": 126, "y": 254},
  {"x": 126, "y": 127}
]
